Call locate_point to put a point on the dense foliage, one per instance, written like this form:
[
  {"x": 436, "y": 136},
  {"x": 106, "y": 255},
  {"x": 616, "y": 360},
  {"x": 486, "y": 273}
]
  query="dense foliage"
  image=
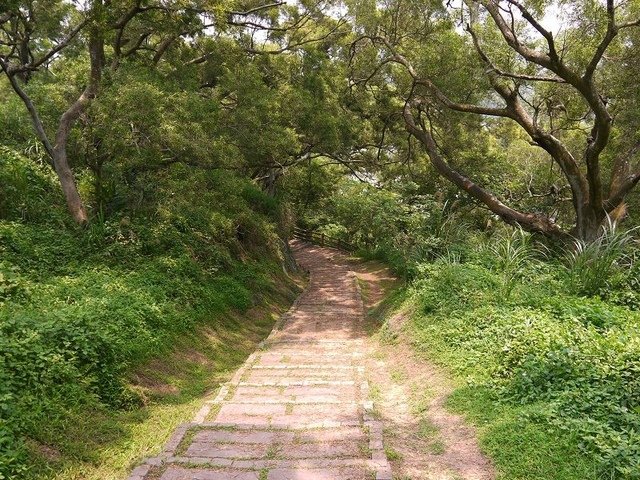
[
  {"x": 80, "y": 309},
  {"x": 572, "y": 361},
  {"x": 154, "y": 156},
  {"x": 550, "y": 336}
]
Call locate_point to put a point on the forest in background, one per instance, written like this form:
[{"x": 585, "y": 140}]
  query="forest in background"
[{"x": 155, "y": 156}]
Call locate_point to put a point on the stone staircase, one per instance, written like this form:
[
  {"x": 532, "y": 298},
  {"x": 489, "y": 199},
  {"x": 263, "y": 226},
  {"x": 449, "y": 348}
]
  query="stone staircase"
[{"x": 299, "y": 408}]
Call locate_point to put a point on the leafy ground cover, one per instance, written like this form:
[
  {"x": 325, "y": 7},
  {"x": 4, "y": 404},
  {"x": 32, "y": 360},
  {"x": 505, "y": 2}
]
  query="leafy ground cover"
[
  {"x": 549, "y": 376},
  {"x": 109, "y": 334}
]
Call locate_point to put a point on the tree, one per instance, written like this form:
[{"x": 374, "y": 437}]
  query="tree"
[
  {"x": 22, "y": 40},
  {"x": 40, "y": 37},
  {"x": 550, "y": 85},
  {"x": 36, "y": 37}
]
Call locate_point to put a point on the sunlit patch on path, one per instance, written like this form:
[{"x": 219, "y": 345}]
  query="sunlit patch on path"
[{"x": 299, "y": 408}]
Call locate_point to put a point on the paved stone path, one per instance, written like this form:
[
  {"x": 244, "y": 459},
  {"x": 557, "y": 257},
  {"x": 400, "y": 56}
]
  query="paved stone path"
[{"x": 298, "y": 409}]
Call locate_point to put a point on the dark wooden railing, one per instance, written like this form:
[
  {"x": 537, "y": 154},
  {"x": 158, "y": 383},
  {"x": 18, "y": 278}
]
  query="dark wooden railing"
[{"x": 322, "y": 239}]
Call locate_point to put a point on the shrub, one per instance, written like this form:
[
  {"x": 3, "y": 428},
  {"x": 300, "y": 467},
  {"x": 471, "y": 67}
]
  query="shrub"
[
  {"x": 27, "y": 191},
  {"x": 574, "y": 361},
  {"x": 81, "y": 307}
]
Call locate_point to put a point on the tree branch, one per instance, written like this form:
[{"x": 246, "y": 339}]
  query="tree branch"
[
  {"x": 553, "y": 54},
  {"x": 529, "y": 221},
  {"x": 612, "y": 31},
  {"x": 515, "y": 76},
  {"x": 33, "y": 112},
  {"x": 460, "y": 107},
  {"x": 35, "y": 64},
  {"x": 258, "y": 9}
]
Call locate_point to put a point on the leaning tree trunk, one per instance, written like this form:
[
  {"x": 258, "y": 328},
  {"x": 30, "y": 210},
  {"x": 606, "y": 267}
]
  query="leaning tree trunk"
[
  {"x": 68, "y": 184},
  {"x": 531, "y": 222},
  {"x": 57, "y": 150},
  {"x": 589, "y": 226},
  {"x": 59, "y": 153}
]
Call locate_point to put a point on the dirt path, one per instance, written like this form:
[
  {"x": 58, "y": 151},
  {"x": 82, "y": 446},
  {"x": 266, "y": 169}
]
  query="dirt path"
[
  {"x": 300, "y": 407},
  {"x": 423, "y": 440}
]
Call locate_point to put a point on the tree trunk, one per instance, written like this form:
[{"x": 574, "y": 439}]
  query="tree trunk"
[
  {"x": 58, "y": 150},
  {"x": 59, "y": 154},
  {"x": 69, "y": 189},
  {"x": 531, "y": 222},
  {"x": 271, "y": 180},
  {"x": 589, "y": 226}
]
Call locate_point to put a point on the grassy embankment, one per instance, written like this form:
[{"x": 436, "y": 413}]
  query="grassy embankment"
[
  {"x": 551, "y": 379},
  {"x": 111, "y": 335}
]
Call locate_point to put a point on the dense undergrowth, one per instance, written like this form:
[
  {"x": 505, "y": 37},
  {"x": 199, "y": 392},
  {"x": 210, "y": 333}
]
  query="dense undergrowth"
[
  {"x": 82, "y": 308},
  {"x": 544, "y": 339},
  {"x": 567, "y": 363}
]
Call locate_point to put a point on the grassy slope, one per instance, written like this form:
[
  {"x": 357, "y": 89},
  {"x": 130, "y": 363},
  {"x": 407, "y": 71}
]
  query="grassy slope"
[
  {"x": 104, "y": 444},
  {"x": 520, "y": 447},
  {"x": 110, "y": 335}
]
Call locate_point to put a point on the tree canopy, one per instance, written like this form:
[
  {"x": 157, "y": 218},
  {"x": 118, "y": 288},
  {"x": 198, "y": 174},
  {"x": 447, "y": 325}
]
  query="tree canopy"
[{"x": 526, "y": 106}]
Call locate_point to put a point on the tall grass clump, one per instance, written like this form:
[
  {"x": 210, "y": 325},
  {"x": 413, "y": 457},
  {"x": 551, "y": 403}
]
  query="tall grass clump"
[
  {"x": 593, "y": 265},
  {"x": 513, "y": 253}
]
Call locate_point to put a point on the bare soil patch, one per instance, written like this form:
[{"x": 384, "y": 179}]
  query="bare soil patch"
[{"x": 424, "y": 441}]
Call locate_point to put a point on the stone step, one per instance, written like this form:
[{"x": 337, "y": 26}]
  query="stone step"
[
  {"x": 291, "y": 348},
  {"x": 295, "y": 350},
  {"x": 306, "y": 358},
  {"x": 331, "y": 324},
  {"x": 180, "y": 473},
  {"x": 287, "y": 345},
  {"x": 319, "y": 474},
  {"x": 297, "y": 394},
  {"x": 230, "y": 408},
  {"x": 316, "y": 315},
  {"x": 213, "y": 435},
  {"x": 306, "y": 367},
  {"x": 242, "y": 409},
  {"x": 340, "y": 307},
  {"x": 316, "y": 400},
  {"x": 320, "y": 300},
  {"x": 316, "y": 423},
  {"x": 301, "y": 383},
  {"x": 257, "y": 391},
  {"x": 320, "y": 292},
  {"x": 258, "y": 376},
  {"x": 294, "y": 335},
  {"x": 332, "y": 327},
  {"x": 273, "y": 464},
  {"x": 335, "y": 311},
  {"x": 294, "y": 415},
  {"x": 278, "y": 451},
  {"x": 354, "y": 341}
]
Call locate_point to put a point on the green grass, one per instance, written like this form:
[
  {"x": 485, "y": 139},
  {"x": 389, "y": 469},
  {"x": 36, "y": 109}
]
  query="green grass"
[
  {"x": 426, "y": 429},
  {"x": 520, "y": 448},
  {"x": 105, "y": 444},
  {"x": 392, "y": 455},
  {"x": 110, "y": 335},
  {"x": 546, "y": 377}
]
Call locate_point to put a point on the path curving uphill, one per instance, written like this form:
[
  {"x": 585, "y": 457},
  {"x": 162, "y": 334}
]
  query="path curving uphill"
[{"x": 299, "y": 408}]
